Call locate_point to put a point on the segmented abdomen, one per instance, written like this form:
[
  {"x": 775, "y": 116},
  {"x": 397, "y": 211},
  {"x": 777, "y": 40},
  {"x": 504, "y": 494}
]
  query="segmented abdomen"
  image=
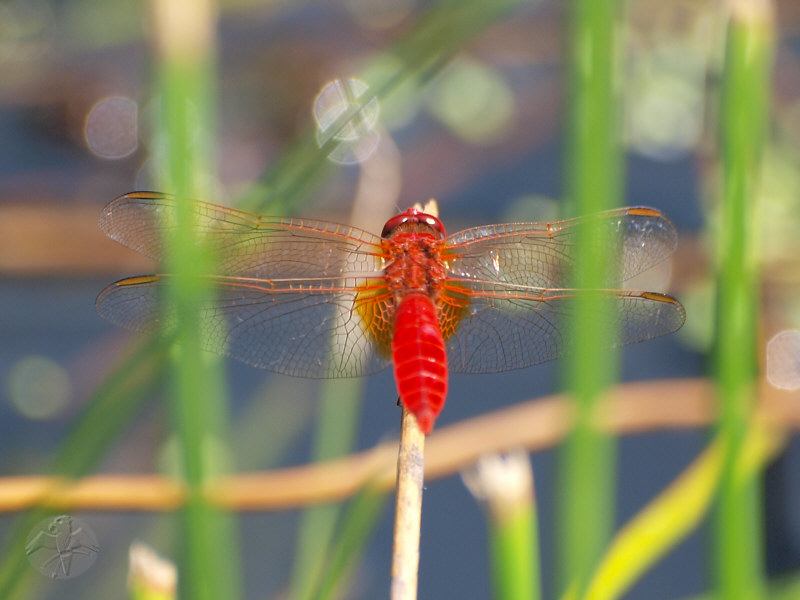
[{"x": 420, "y": 362}]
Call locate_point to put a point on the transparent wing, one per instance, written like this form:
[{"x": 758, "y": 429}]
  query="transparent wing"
[
  {"x": 315, "y": 329},
  {"x": 542, "y": 254},
  {"x": 245, "y": 245},
  {"x": 502, "y": 327}
]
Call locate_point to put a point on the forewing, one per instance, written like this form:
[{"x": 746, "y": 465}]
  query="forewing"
[
  {"x": 543, "y": 254},
  {"x": 245, "y": 245},
  {"x": 505, "y": 327},
  {"x": 310, "y": 330}
]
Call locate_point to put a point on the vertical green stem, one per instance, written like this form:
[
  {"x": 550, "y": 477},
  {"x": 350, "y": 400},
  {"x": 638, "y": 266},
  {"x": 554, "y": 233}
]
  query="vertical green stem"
[
  {"x": 358, "y": 523},
  {"x": 184, "y": 33},
  {"x": 745, "y": 114},
  {"x": 593, "y": 174},
  {"x": 504, "y": 486},
  {"x": 515, "y": 555},
  {"x": 336, "y": 431}
]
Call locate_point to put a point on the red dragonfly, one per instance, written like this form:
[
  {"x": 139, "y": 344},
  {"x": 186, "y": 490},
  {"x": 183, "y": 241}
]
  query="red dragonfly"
[{"x": 317, "y": 299}]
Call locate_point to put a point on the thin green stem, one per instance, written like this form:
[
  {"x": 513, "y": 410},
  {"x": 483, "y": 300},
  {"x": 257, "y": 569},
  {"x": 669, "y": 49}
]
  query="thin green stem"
[
  {"x": 336, "y": 432},
  {"x": 593, "y": 183},
  {"x": 186, "y": 75},
  {"x": 745, "y": 110},
  {"x": 515, "y": 555},
  {"x": 358, "y": 523},
  {"x": 504, "y": 486}
]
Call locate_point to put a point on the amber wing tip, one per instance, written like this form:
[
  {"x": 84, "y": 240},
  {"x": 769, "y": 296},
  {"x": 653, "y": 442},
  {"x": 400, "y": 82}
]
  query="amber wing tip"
[{"x": 645, "y": 211}]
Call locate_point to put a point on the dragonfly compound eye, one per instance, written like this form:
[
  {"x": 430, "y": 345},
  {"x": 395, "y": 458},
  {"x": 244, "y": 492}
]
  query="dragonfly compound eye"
[{"x": 407, "y": 219}]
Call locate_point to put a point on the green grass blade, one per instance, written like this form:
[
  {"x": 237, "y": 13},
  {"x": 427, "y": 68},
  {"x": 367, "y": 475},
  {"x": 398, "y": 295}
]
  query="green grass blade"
[
  {"x": 186, "y": 77},
  {"x": 593, "y": 173},
  {"x": 744, "y": 120},
  {"x": 504, "y": 486},
  {"x": 514, "y": 552},
  {"x": 336, "y": 431},
  {"x": 106, "y": 415},
  {"x": 671, "y": 516},
  {"x": 358, "y": 524},
  {"x": 112, "y": 407}
]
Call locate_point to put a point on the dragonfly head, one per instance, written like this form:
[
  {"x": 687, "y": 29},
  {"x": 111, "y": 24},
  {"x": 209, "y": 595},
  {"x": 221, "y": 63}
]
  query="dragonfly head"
[{"x": 413, "y": 220}]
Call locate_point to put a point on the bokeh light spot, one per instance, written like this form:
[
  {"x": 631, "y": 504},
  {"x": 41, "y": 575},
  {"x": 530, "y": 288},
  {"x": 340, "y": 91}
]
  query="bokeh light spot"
[
  {"x": 664, "y": 119},
  {"x": 344, "y": 116},
  {"x": 112, "y": 127},
  {"x": 402, "y": 106},
  {"x": 38, "y": 387},
  {"x": 783, "y": 360},
  {"x": 474, "y": 101}
]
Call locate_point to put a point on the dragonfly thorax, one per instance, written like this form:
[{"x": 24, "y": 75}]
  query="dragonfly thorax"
[{"x": 415, "y": 264}]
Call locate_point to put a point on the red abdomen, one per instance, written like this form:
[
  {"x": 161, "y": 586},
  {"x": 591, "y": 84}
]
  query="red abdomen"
[{"x": 420, "y": 362}]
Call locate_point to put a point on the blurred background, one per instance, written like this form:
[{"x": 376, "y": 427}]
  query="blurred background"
[{"x": 480, "y": 128}]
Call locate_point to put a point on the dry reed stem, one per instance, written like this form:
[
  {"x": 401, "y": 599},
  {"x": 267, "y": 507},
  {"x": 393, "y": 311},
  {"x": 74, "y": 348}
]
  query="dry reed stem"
[
  {"x": 408, "y": 509},
  {"x": 533, "y": 425}
]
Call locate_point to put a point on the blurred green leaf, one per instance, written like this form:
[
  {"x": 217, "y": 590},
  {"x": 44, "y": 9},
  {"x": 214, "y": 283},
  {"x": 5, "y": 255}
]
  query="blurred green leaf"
[
  {"x": 593, "y": 182},
  {"x": 107, "y": 414},
  {"x": 357, "y": 526},
  {"x": 744, "y": 122}
]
